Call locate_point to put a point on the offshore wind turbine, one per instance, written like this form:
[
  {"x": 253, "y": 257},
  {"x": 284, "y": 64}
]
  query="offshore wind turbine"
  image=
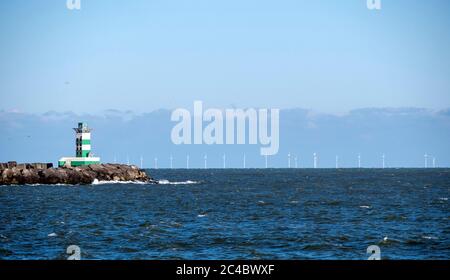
[
  {"x": 315, "y": 160},
  {"x": 384, "y": 163},
  {"x": 295, "y": 162},
  {"x": 245, "y": 159},
  {"x": 224, "y": 161},
  {"x": 156, "y": 163},
  {"x": 426, "y": 160},
  {"x": 206, "y": 161},
  {"x": 337, "y": 162},
  {"x": 434, "y": 162},
  {"x": 359, "y": 160},
  {"x": 289, "y": 160}
]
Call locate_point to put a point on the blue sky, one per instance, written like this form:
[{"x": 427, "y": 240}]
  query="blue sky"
[{"x": 329, "y": 56}]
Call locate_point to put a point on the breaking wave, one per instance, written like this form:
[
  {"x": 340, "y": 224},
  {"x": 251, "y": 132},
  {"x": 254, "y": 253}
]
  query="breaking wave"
[
  {"x": 167, "y": 182},
  {"x": 97, "y": 182}
]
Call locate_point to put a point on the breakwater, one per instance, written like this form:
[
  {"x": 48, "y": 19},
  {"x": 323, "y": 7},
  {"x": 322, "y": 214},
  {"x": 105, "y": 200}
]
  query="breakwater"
[{"x": 12, "y": 173}]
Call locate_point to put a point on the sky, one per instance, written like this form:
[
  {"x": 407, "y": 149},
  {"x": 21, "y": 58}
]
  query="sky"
[
  {"x": 403, "y": 135},
  {"x": 323, "y": 55}
]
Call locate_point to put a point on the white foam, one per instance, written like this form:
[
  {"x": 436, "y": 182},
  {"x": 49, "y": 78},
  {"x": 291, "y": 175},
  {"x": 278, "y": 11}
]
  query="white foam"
[
  {"x": 52, "y": 234},
  {"x": 365, "y": 206},
  {"x": 429, "y": 237},
  {"x": 202, "y": 215},
  {"x": 97, "y": 182},
  {"x": 167, "y": 182}
]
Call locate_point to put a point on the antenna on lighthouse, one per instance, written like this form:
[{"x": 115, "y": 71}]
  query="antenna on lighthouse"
[
  {"x": 206, "y": 161},
  {"x": 289, "y": 160},
  {"x": 187, "y": 161},
  {"x": 315, "y": 160},
  {"x": 224, "y": 161},
  {"x": 337, "y": 162},
  {"x": 359, "y": 160},
  {"x": 384, "y": 163},
  {"x": 426, "y": 160},
  {"x": 156, "y": 163}
]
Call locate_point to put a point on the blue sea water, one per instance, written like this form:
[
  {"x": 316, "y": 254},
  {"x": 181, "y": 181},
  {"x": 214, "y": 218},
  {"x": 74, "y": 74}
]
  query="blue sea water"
[{"x": 234, "y": 214}]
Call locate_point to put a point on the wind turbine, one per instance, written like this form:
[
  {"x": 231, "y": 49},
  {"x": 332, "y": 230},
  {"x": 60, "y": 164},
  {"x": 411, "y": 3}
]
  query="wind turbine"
[
  {"x": 265, "y": 158},
  {"x": 156, "y": 163},
  {"x": 142, "y": 161},
  {"x": 337, "y": 162},
  {"x": 434, "y": 162},
  {"x": 359, "y": 160},
  {"x": 224, "y": 161},
  {"x": 384, "y": 163},
  {"x": 206, "y": 160},
  {"x": 289, "y": 160},
  {"x": 426, "y": 160},
  {"x": 315, "y": 160},
  {"x": 245, "y": 159},
  {"x": 296, "y": 161}
]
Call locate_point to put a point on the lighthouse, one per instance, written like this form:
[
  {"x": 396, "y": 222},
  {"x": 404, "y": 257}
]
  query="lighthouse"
[{"x": 83, "y": 154}]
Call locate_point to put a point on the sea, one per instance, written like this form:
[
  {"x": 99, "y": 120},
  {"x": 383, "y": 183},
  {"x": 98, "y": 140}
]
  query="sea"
[{"x": 202, "y": 214}]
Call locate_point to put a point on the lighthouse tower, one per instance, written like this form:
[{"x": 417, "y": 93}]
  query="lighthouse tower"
[
  {"x": 83, "y": 154},
  {"x": 83, "y": 134}
]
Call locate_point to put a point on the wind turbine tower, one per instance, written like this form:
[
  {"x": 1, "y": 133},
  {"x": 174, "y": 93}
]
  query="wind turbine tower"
[
  {"x": 156, "y": 163},
  {"x": 296, "y": 162},
  {"x": 245, "y": 159},
  {"x": 206, "y": 161},
  {"x": 315, "y": 160},
  {"x": 359, "y": 160},
  {"x": 224, "y": 161},
  {"x": 384, "y": 162},
  {"x": 337, "y": 162},
  {"x": 426, "y": 160},
  {"x": 289, "y": 160}
]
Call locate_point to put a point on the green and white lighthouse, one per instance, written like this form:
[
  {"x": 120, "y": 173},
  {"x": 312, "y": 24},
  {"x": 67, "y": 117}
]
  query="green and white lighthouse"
[{"x": 83, "y": 154}]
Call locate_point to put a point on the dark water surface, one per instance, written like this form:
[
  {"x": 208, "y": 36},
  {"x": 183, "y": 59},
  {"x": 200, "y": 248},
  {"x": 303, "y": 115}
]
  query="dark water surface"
[{"x": 234, "y": 214}]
